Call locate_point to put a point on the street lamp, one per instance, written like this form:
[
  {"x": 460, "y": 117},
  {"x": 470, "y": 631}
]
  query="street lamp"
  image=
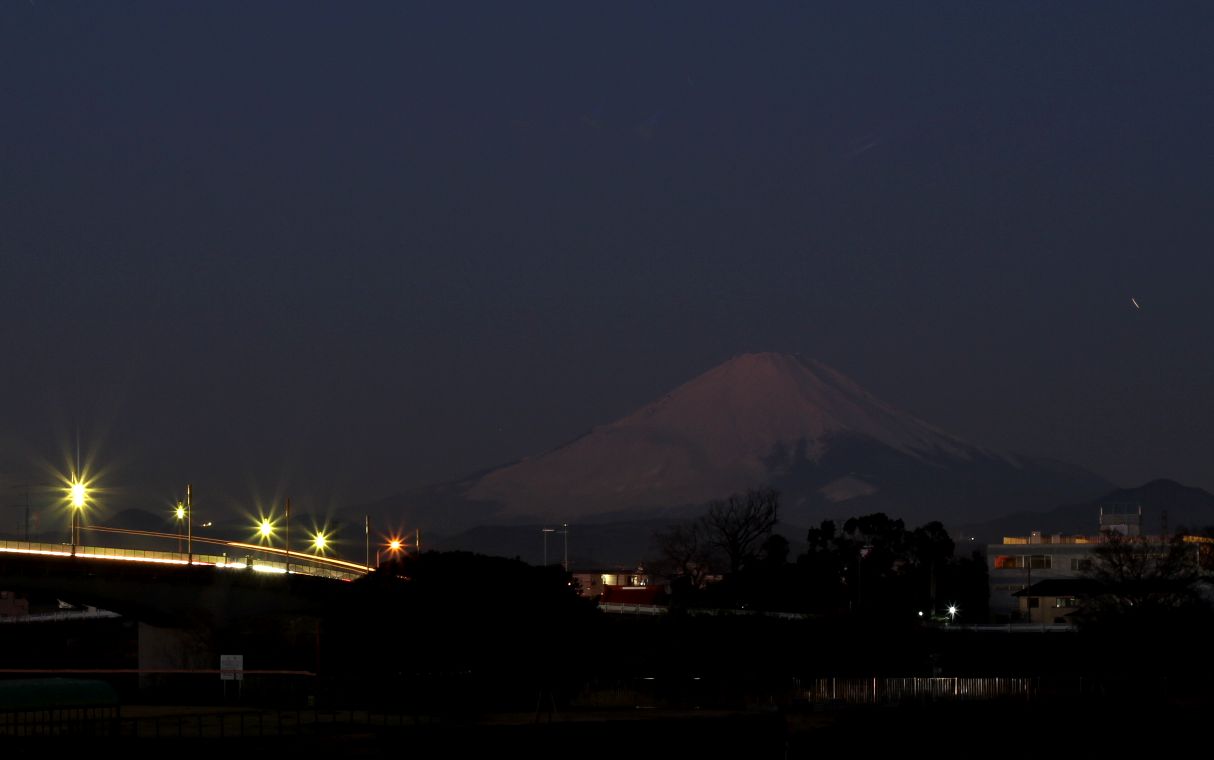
[
  {"x": 180, "y": 513},
  {"x": 952, "y": 613},
  {"x": 319, "y": 541},
  {"x": 77, "y": 495},
  {"x": 287, "y": 538},
  {"x": 394, "y": 547},
  {"x": 564, "y": 531},
  {"x": 188, "y": 508}
]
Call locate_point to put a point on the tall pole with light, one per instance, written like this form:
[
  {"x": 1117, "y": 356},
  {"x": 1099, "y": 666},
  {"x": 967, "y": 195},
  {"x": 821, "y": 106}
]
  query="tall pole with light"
[
  {"x": 77, "y": 494},
  {"x": 189, "y": 523},
  {"x": 287, "y": 535},
  {"x": 394, "y": 546}
]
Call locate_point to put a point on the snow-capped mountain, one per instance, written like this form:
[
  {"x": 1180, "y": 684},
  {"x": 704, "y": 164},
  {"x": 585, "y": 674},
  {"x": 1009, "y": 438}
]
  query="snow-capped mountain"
[{"x": 831, "y": 447}]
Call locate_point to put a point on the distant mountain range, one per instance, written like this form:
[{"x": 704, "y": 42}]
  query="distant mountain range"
[
  {"x": 767, "y": 419},
  {"x": 1162, "y": 501}
]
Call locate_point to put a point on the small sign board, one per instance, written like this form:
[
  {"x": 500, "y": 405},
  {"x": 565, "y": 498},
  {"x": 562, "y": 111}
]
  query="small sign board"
[{"x": 231, "y": 667}]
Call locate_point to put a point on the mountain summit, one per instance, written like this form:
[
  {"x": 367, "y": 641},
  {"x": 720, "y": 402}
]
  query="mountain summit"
[{"x": 781, "y": 420}]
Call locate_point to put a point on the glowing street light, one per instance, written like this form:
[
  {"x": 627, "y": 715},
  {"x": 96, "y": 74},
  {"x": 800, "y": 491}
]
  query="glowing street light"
[
  {"x": 77, "y": 494},
  {"x": 266, "y": 529},
  {"x": 180, "y": 513},
  {"x": 319, "y": 542},
  {"x": 394, "y": 546},
  {"x": 187, "y": 510},
  {"x": 952, "y": 612}
]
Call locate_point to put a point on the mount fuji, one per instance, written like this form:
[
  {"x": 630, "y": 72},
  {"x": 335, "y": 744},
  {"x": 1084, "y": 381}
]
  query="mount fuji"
[{"x": 764, "y": 419}]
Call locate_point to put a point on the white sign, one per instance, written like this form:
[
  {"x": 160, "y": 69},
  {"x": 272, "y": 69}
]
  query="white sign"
[{"x": 231, "y": 667}]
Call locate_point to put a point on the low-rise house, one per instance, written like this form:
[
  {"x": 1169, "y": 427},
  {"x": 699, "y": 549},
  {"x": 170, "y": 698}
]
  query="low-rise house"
[{"x": 1053, "y": 601}]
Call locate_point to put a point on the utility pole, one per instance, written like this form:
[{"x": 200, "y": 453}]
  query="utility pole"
[
  {"x": 288, "y": 535},
  {"x": 189, "y": 522},
  {"x": 367, "y": 530},
  {"x": 565, "y": 533}
]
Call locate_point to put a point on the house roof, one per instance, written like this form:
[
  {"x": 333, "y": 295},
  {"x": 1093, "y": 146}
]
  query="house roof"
[{"x": 1061, "y": 587}]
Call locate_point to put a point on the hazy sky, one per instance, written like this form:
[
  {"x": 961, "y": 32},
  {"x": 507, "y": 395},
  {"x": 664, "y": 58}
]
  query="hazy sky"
[{"x": 341, "y": 249}]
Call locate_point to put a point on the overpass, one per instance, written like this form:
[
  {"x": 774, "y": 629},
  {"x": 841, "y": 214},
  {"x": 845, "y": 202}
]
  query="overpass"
[
  {"x": 226, "y": 581},
  {"x": 186, "y": 606},
  {"x": 220, "y": 554},
  {"x": 170, "y": 589}
]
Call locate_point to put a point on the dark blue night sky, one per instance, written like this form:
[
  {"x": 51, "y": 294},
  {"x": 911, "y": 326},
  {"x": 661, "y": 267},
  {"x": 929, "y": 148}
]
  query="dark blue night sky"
[{"x": 339, "y": 249}]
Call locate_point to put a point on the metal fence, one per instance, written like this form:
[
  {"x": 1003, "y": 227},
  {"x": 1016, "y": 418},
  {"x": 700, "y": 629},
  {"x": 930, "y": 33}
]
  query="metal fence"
[{"x": 886, "y": 690}]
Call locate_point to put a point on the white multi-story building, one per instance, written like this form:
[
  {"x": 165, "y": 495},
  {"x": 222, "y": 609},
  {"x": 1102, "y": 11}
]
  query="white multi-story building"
[{"x": 1021, "y": 561}]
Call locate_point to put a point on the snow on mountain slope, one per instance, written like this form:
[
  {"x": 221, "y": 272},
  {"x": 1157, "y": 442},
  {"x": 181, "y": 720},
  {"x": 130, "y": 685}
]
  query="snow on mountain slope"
[{"x": 714, "y": 435}]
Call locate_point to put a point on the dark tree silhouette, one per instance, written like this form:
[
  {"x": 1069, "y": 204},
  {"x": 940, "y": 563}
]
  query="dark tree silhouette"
[
  {"x": 739, "y": 525},
  {"x": 687, "y": 554},
  {"x": 1142, "y": 578},
  {"x": 876, "y": 565}
]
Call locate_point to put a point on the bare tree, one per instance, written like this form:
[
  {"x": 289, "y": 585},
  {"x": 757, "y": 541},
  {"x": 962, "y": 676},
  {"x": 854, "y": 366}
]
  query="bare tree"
[
  {"x": 687, "y": 552},
  {"x": 739, "y": 525},
  {"x": 1140, "y": 576}
]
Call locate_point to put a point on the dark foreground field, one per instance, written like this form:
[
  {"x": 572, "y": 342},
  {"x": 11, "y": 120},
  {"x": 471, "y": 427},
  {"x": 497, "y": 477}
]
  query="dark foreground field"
[{"x": 1045, "y": 727}]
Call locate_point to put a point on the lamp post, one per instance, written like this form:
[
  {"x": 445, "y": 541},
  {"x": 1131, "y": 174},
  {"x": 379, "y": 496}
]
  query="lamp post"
[
  {"x": 78, "y": 494},
  {"x": 564, "y": 531},
  {"x": 287, "y": 536},
  {"x": 180, "y": 513},
  {"x": 189, "y": 524},
  {"x": 394, "y": 546}
]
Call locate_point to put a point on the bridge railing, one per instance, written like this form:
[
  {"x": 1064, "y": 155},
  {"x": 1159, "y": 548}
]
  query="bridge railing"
[{"x": 241, "y": 559}]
